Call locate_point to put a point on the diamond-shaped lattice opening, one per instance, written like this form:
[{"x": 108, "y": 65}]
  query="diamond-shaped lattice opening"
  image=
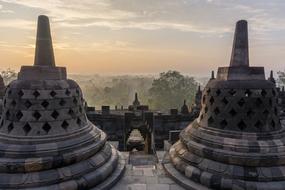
[
  {"x": 263, "y": 92},
  {"x": 19, "y": 115},
  {"x": 64, "y": 125},
  {"x": 77, "y": 91},
  {"x": 204, "y": 99},
  {"x": 258, "y": 102},
  {"x": 232, "y": 92},
  {"x": 208, "y": 91},
  {"x": 10, "y": 92},
  {"x": 258, "y": 125},
  {"x": 5, "y": 101},
  {"x": 216, "y": 110},
  {"x": 218, "y": 92},
  {"x": 8, "y": 114},
  {"x": 20, "y": 93},
  {"x": 13, "y": 103},
  {"x": 75, "y": 101},
  {"x": 36, "y": 94},
  {"x": 247, "y": 93},
  {"x": 241, "y": 125},
  {"x": 206, "y": 109},
  {"x": 249, "y": 113},
  {"x": 272, "y": 124},
  {"x": 223, "y": 124},
  {"x": 52, "y": 93},
  {"x": 212, "y": 100},
  {"x": 210, "y": 120},
  {"x": 46, "y": 127},
  {"x": 28, "y": 104},
  {"x": 62, "y": 102},
  {"x": 79, "y": 121},
  {"x": 67, "y": 92},
  {"x": 233, "y": 112},
  {"x": 273, "y": 92},
  {"x": 27, "y": 128},
  {"x": 37, "y": 115},
  {"x": 45, "y": 104},
  {"x": 266, "y": 112},
  {"x": 241, "y": 102},
  {"x": 10, "y": 127},
  {"x": 80, "y": 109},
  {"x": 225, "y": 101},
  {"x": 275, "y": 111},
  {"x": 55, "y": 114},
  {"x": 71, "y": 112},
  {"x": 270, "y": 102}
]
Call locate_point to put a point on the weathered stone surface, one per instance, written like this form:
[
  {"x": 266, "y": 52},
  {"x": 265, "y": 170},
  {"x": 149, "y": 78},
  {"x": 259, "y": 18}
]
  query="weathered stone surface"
[
  {"x": 44, "y": 55},
  {"x": 237, "y": 142},
  {"x": 2, "y": 87},
  {"x": 46, "y": 140},
  {"x": 240, "y": 46},
  {"x": 151, "y": 177}
]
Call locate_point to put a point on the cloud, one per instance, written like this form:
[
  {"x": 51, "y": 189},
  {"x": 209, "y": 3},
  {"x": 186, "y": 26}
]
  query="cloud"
[
  {"x": 17, "y": 24},
  {"x": 105, "y": 13},
  {"x": 68, "y": 10},
  {"x": 210, "y": 17},
  {"x": 5, "y": 10}
]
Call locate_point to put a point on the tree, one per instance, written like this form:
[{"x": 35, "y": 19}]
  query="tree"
[{"x": 170, "y": 89}]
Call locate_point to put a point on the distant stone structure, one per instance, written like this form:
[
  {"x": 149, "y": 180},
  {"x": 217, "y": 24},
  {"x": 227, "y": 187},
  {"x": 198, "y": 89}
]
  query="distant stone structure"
[
  {"x": 2, "y": 92},
  {"x": 237, "y": 142},
  {"x": 2, "y": 87},
  {"x": 118, "y": 123},
  {"x": 46, "y": 140},
  {"x": 184, "y": 108},
  {"x": 136, "y": 102},
  {"x": 281, "y": 101}
]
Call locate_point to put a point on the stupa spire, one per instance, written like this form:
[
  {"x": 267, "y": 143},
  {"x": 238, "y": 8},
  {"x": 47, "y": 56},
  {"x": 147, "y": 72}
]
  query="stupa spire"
[
  {"x": 240, "y": 45},
  {"x": 212, "y": 75},
  {"x": 136, "y": 102},
  {"x": 44, "y": 55}
]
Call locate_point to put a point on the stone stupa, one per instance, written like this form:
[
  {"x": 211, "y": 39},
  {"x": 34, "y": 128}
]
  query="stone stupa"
[
  {"x": 238, "y": 141},
  {"x": 2, "y": 92},
  {"x": 2, "y": 87},
  {"x": 46, "y": 140}
]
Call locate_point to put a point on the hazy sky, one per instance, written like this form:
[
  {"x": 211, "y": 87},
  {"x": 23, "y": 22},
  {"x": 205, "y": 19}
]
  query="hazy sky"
[{"x": 143, "y": 36}]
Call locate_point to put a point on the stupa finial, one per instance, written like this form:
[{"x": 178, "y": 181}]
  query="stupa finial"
[
  {"x": 240, "y": 45},
  {"x": 44, "y": 55},
  {"x": 136, "y": 102}
]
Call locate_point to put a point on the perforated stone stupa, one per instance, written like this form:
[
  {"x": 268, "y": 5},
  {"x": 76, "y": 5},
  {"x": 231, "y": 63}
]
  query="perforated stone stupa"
[
  {"x": 237, "y": 142},
  {"x": 46, "y": 141},
  {"x": 2, "y": 87}
]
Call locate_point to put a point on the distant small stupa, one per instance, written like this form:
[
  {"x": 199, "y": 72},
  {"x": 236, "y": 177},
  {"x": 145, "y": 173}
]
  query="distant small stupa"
[{"x": 136, "y": 102}]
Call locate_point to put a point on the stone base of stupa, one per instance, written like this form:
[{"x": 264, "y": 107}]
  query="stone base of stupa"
[{"x": 178, "y": 177}]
